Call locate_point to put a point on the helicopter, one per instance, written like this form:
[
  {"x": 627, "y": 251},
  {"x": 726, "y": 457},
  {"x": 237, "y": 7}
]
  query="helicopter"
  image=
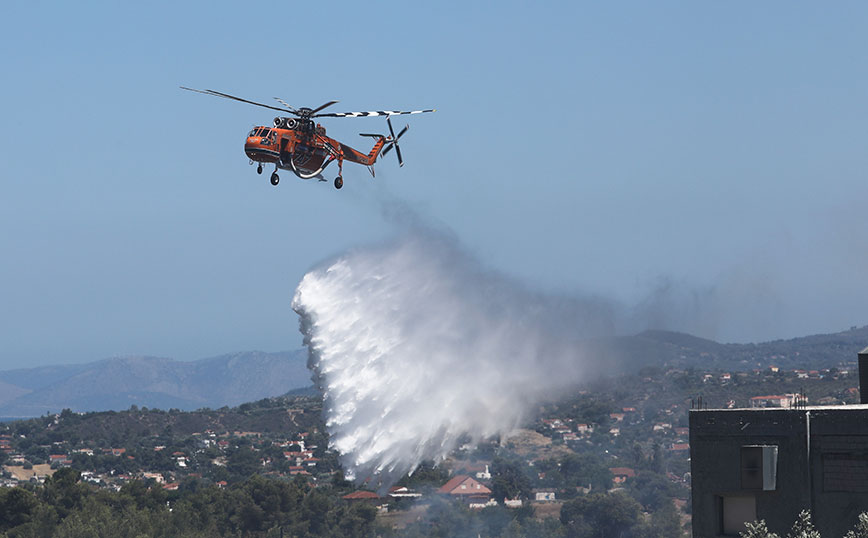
[{"x": 300, "y": 145}]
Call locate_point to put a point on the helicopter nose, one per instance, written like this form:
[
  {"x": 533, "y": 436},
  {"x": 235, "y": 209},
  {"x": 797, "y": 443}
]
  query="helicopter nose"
[
  {"x": 252, "y": 142},
  {"x": 256, "y": 150},
  {"x": 250, "y": 146}
]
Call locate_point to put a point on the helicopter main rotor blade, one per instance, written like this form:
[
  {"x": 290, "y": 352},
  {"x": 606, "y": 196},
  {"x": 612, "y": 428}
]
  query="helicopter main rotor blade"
[
  {"x": 284, "y": 103},
  {"x": 317, "y": 109},
  {"x": 372, "y": 113},
  {"x": 227, "y": 96}
]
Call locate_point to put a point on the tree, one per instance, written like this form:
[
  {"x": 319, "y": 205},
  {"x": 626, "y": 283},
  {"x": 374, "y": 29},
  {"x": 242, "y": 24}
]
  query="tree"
[
  {"x": 757, "y": 529},
  {"x": 495, "y": 519},
  {"x": 666, "y": 523},
  {"x": 446, "y": 520},
  {"x": 314, "y": 510},
  {"x": 610, "y": 514},
  {"x": 508, "y": 480},
  {"x": 638, "y": 455},
  {"x": 426, "y": 474},
  {"x": 357, "y": 520},
  {"x": 654, "y": 491},
  {"x": 63, "y": 491},
  {"x": 861, "y": 528},
  {"x": 243, "y": 463},
  {"x": 16, "y": 507},
  {"x": 583, "y": 469},
  {"x": 803, "y": 527},
  {"x": 513, "y": 530},
  {"x": 657, "y": 463}
]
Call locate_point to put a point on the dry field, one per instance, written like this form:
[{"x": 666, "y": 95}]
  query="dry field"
[{"x": 21, "y": 474}]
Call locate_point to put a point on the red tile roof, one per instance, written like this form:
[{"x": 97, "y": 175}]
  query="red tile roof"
[
  {"x": 361, "y": 494},
  {"x": 463, "y": 485},
  {"x": 622, "y": 471}
]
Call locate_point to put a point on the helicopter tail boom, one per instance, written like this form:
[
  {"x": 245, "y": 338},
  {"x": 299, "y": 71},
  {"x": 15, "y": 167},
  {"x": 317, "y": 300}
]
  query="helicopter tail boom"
[{"x": 358, "y": 157}]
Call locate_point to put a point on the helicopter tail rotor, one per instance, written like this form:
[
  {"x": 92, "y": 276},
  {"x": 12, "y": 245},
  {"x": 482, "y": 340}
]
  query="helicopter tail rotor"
[{"x": 393, "y": 140}]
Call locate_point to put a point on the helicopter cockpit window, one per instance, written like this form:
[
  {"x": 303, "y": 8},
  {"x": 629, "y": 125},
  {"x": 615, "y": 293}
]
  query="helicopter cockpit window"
[{"x": 252, "y": 133}]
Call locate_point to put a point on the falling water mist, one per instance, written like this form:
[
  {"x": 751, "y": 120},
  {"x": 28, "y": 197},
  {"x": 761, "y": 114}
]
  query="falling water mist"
[{"x": 416, "y": 346}]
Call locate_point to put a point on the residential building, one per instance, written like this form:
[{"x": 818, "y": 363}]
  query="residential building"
[
  {"x": 478, "y": 503},
  {"x": 783, "y": 400},
  {"x": 463, "y": 486},
  {"x": 621, "y": 474},
  {"x": 403, "y": 492},
  {"x": 544, "y": 494},
  {"x": 484, "y": 474}
]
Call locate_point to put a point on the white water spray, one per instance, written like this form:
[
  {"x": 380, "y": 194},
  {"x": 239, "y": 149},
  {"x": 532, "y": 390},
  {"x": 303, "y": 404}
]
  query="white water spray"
[{"x": 415, "y": 345}]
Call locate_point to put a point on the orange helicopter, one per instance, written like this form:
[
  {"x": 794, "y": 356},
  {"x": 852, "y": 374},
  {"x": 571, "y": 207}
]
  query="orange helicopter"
[{"x": 300, "y": 145}]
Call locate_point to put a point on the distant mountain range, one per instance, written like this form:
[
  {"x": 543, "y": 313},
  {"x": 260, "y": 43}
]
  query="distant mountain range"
[
  {"x": 118, "y": 383},
  {"x": 229, "y": 380},
  {"x": 678, "y": 350}
]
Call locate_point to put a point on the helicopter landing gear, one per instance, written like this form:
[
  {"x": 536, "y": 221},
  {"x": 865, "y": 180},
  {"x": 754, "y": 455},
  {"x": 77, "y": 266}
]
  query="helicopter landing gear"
[
  {"x": 339, "y": 181},
  {"x": 259, "y": 169},
  {"x": 275, "y": 179}
]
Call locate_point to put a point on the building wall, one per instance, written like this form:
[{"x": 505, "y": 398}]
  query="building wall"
[
  {"x": 839, "y": 456},
  {"x": 822, "y": 465},
  {"x": 716, "y": 439}
]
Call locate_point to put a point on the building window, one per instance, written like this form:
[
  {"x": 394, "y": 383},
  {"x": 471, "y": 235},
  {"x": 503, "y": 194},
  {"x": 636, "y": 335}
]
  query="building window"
[
  {"x": 735, "y": 511},
  {"x": 759, "y": 467}
]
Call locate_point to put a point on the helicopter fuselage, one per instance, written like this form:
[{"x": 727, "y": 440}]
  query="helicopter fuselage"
[{"x": 302, "y": 147}]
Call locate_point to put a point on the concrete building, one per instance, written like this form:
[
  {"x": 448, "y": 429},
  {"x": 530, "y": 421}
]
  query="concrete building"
[{"x": 750, "y": 464}]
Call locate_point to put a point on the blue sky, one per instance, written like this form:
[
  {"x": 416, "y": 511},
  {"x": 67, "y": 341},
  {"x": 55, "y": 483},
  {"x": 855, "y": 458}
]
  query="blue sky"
[{"x": 705, "y": 161}]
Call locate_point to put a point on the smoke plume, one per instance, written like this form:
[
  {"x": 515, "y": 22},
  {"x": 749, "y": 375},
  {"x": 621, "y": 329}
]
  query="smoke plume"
[{"x": 415, "y": 345}]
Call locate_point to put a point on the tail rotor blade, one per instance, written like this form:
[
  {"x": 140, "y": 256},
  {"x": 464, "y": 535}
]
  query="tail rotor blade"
[{"x": 393, "y": 141}]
